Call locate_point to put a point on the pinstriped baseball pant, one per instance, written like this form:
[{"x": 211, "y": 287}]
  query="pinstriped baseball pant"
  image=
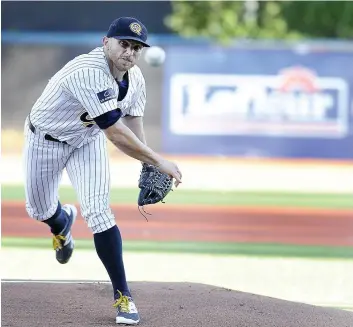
[{"x": 87, "y": 168}]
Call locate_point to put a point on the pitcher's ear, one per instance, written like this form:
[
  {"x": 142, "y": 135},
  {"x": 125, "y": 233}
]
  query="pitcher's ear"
[{"x": 105, "y": 41}]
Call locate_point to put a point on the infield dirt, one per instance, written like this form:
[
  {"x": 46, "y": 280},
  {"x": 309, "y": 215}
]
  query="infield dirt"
[{"x": 160, "y": 305}]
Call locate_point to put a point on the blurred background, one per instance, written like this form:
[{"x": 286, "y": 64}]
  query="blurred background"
[{"x": 254, "y": 102}]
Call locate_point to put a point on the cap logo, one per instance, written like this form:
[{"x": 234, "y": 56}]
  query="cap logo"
[{"x": 136, "y": 28}]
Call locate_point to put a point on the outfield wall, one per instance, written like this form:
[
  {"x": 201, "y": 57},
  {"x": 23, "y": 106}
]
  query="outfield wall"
[{"x": 252, "y": 99}]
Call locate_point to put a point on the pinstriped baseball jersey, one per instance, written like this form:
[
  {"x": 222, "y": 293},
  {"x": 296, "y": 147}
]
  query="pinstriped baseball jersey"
[
  {"x": 84, "y": 89},
  {"x": 62, "y": 134}
]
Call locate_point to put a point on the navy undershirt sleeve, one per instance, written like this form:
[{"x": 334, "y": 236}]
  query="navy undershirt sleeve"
[
  {"x": 111, "y": 117},
  {"x": 108, "y": 119}
]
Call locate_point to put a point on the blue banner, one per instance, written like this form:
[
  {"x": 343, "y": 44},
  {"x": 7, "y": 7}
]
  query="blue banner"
[{"x": 279, "y": 103}]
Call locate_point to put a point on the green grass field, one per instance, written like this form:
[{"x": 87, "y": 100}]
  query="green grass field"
[
  {"x": 260, "y": 249},
  {"x": 129, "y": 196},
  {"x": 180, "y": 196}
]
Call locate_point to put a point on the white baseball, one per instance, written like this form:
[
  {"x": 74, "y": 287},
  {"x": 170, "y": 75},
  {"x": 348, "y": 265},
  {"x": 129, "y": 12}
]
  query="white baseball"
[{"x": 155, "y": 56}]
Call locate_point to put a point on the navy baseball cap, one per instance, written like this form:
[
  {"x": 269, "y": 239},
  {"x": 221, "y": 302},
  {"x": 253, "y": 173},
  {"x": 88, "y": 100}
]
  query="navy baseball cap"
[{"x": 128, "y": 28}]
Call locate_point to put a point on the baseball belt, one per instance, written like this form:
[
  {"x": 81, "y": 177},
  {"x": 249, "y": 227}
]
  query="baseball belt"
[{"x": 46, "y": 136}]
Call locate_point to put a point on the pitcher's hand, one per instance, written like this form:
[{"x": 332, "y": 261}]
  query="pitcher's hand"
[{"x": 170, "y": 168}]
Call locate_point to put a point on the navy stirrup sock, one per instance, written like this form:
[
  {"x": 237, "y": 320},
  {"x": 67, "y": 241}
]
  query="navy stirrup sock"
[
  {"x": 58, "y": 221},
  {"x": 109, "y": 249}
]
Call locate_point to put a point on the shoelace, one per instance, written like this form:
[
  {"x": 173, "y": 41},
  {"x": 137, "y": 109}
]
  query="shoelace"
[
  {"x": 123, "y": 302},
  {"x": 58, "y": 240}
]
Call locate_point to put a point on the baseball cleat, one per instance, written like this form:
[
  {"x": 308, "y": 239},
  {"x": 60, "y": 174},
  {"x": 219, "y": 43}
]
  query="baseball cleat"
[
  {"x": 126, "y": 313},
  {"x": 63, "y": 243}
]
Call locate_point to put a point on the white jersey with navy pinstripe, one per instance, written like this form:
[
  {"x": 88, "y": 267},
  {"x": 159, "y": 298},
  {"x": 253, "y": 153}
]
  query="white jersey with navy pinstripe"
[{"x": 84, "y": 89}]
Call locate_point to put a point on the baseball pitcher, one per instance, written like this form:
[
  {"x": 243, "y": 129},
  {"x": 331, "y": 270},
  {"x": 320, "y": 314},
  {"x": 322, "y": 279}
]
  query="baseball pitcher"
[{"x": 96, "y": 96}]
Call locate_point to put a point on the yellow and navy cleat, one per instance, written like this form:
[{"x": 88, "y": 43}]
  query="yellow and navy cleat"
[
  {"x": 126, "y": 313},
  {"x": 63, "y": 243}
]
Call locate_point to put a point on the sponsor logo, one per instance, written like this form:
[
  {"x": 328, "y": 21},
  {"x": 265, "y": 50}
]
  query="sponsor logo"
[
  {"x": 106, "y": 95},
  {"x": 294, "y": 103}
]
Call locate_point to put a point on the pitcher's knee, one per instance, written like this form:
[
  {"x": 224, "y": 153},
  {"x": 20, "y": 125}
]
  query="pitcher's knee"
[
  {"x": 42, "y": 213},
  {"x": 100, "y": 221}
]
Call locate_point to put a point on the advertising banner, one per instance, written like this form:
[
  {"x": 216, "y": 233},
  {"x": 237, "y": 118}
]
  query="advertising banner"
[{"x": 258, "y": 102}]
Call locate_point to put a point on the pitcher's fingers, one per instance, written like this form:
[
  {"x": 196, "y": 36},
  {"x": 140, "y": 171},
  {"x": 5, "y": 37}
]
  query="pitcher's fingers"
[
  {"x": 180, "y": 174},
  {"x": 177, "y": 177}
]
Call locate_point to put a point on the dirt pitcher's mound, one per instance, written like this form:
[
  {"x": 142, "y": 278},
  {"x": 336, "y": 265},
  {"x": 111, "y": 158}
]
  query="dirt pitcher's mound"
[{"x": 44, "y": 304}]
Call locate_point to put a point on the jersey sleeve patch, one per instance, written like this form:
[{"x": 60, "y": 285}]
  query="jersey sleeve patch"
[{"x": 106, "y": 95}]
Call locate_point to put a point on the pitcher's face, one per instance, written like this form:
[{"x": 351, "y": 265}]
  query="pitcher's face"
[{"x": 123, "y": 53}]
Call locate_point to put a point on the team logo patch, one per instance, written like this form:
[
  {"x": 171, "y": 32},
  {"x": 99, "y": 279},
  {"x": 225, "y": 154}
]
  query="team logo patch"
[
  {"x": 106, "y": 95},
  {"x": 86, "y": 119},
  {"x": 136, "y": 28}
]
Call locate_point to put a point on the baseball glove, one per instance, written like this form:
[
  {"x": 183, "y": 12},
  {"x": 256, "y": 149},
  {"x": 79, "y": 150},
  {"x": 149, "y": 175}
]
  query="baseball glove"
[{"x": 154, "y": 185}]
